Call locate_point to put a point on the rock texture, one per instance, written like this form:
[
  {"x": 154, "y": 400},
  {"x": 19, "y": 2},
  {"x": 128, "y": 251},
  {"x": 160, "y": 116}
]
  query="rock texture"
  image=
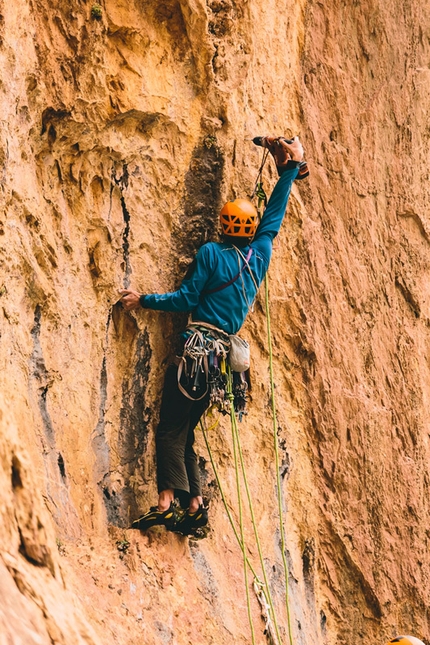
[{"x": 124, "y": 127}]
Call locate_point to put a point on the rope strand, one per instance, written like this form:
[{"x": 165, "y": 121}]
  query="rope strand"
[
  {"x": 262, "y": 587},
  {"x": 239, "y": 499},
  {"x": 254, "y": 526},
  {"x": 278, "y": 476}
]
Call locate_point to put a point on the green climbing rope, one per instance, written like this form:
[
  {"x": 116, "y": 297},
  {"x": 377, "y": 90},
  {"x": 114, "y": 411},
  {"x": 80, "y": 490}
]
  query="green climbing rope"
[
  {"x": 263, "y": 587},
  {"x": 239, "y": 499},
  {"x": 254, "y": 525},
  {"x": 224, "y": 500},
  {"x": 278, "y": 475}
]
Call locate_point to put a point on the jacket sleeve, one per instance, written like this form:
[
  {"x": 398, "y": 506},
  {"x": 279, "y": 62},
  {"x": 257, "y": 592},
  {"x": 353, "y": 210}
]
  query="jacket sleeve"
[
  {"x": 269, "y": 226},
  {"x": 187, "y": 297}
]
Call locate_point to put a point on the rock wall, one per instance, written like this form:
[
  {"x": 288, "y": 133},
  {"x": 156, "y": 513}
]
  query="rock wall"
[{"x": 124, "y": 128}]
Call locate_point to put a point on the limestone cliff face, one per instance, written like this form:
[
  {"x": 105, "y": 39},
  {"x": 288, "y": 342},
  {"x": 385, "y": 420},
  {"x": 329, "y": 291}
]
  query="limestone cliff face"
[{"x": 122, "y": 131}]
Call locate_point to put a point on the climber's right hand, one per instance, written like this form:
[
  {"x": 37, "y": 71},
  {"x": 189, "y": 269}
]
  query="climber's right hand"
[{"x": 130, "y": 299}]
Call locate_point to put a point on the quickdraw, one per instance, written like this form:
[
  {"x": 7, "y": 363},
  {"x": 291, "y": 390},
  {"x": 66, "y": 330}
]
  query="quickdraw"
[{"x": 202, "y": 369}]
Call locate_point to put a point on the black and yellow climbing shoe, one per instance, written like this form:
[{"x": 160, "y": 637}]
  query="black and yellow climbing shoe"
[
  {"x": 191, "y": 523},
  {"x": 154, "y": 517}
]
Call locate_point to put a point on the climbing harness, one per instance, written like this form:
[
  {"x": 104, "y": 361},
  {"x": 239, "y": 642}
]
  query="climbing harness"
[
  {"x": 204, "y": 349},
  {"x": 202, "y": 368}
]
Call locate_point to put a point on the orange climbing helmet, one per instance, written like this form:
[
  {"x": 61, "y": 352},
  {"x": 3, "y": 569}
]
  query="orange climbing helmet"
[
  {"x": 406, "y": 640},
  {"x": 239, "y": 218}
]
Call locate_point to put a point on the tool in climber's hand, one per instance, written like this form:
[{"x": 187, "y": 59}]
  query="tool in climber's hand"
[{"x": 274, "y": 146}]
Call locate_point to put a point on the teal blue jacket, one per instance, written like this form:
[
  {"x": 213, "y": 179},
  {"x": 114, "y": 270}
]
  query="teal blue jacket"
[{"x": 218, "y": 262}]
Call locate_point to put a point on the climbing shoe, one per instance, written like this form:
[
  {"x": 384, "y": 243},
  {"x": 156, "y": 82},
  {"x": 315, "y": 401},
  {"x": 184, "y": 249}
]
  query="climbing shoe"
[
  {"x": 192, "y": 523},
  {"x": 154, "y": 517}
]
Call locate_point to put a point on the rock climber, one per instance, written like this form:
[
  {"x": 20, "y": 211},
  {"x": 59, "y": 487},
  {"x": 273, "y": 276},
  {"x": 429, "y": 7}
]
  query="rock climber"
[{"x": 218, "y": 293}]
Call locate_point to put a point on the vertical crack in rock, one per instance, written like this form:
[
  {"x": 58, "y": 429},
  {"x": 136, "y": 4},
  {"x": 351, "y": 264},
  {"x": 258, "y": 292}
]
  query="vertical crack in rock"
[
  {"x": 126, "y": 243},
  {"x": 61, "y": 466},
  {"x": 122, "y": 183},
  {"x": 285, "y": 465},
  {"x": 98, "y": 441},
  {"x": 2, "y": 24},
  {"x": 32, "y": 545},
  {"x": 112, "y": 188},
  {"x": 115, "y": 480},
  {"x": 308, "y": 562},
  {"x": 209, "y": 485},
  {"x": 205, "y": 574},
  {"x": 40, "y": 374},
  {"x": 408, "y": 296},
  {"x": 323, "y": 623},
  {"x": 56, "y": 482},
  {"x": 4, "y": 157},
  {"x": 16, "y": 478},
  {"x": 135, "y": 416}
]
